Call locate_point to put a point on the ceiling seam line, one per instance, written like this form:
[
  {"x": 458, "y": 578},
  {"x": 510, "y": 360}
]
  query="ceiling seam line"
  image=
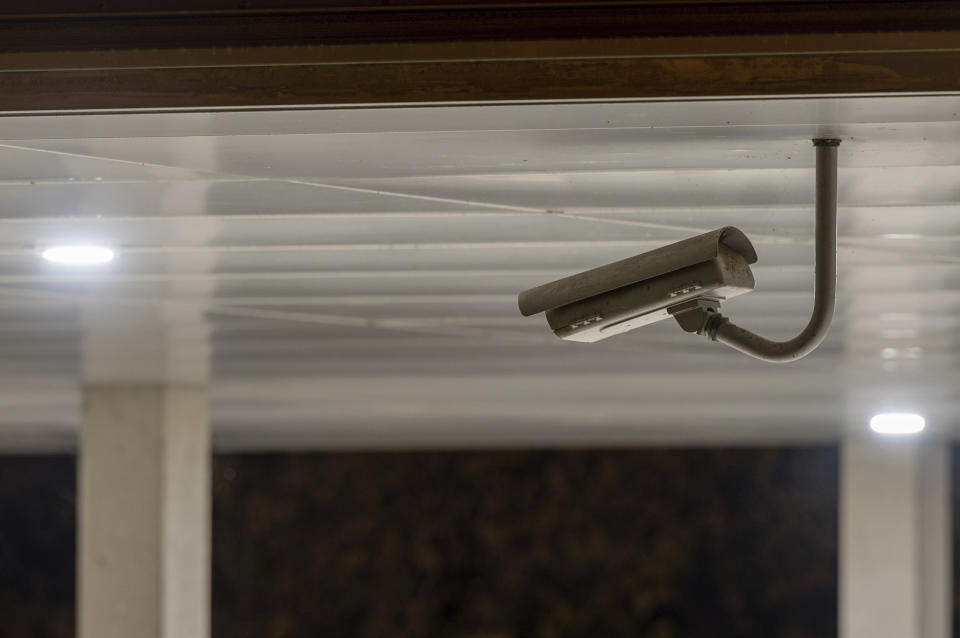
[{"x": 519, "y": 209}]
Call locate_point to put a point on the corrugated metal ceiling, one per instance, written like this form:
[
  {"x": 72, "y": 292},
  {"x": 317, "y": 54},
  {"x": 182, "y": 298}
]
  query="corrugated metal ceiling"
[{"x": 347, "y": 277}]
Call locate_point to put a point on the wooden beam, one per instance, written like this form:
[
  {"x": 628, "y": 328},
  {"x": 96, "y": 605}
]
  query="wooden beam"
[
  {"x": 65, "y": 55},
  {"x": 481, "y": 81}
]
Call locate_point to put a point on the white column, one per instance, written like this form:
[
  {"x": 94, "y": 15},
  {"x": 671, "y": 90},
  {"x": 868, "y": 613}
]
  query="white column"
[
  {"x": 144, "y": 528},
  {"x": 895, "y": 545}
]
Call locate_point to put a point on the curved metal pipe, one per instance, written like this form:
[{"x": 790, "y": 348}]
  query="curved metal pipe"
[{"x": 825, "y": 287}]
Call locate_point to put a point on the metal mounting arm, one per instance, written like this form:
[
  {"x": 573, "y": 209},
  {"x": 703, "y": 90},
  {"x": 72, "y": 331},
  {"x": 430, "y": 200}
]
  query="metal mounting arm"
[{"x": 704, "y": 317}]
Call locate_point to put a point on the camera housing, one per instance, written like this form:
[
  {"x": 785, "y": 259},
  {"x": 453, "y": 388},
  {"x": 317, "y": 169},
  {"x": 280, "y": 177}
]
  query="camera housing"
[{"x": 619, "y": 297}]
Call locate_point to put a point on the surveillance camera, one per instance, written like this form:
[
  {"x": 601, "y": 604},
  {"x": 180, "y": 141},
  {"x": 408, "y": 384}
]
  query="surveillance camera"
[
  {"x": 688, "y": 280},
  {"x": 613, "y": 299}
]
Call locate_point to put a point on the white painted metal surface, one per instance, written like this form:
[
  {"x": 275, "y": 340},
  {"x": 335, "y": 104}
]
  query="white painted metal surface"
[
  {"x": 895, "y": 539},
  {"x": 349, "y": 277},
  {"x": 144, "y": 513}
]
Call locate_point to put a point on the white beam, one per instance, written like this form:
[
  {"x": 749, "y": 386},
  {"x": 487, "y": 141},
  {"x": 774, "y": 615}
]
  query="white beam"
[
  {"x": 895, "y": 545},
  {"x": 144, "y": 512}
]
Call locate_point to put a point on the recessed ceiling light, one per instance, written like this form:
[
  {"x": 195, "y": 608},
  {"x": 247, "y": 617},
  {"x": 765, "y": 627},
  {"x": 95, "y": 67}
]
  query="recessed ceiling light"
[
  {"x": 897, "y": 423},
  {"x": 913, "y": 352},
  {"x": 78, "y": 254},
  {"x": 901, "y": 236}
]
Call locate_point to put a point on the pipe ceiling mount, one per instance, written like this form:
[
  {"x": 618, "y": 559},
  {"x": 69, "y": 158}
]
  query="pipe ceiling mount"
[{"x": 706, "y": 320}]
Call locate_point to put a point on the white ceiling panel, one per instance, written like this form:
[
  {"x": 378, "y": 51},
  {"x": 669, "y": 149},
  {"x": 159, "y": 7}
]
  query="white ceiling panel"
[{"x": 348, "y": 277}]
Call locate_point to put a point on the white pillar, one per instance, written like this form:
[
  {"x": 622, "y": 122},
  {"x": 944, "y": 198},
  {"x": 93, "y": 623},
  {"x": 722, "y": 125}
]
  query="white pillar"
[
  {"x": 144, "y": 526},
  {"x": 895, "y": 541}
]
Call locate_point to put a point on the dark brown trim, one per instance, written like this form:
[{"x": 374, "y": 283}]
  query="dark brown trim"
[
  {"x": 289, "y": 23},
  {"x": 495, "y": 80},
  {"x": 106, "y": 8},
  {"x": 160, "y": 54},
  {"x": 581, "y": 49}
]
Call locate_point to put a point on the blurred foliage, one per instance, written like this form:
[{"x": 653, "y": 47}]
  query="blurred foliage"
[
  {"x": 37, "y": 546},
  {"x": 652, "y": 543},
  {"x": 659, "y": 543},
  {"x": 955, "y": 462}
]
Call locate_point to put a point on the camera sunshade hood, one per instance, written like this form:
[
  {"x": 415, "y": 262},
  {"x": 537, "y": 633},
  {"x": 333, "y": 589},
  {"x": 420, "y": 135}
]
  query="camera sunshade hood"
[{"x": 631, "y": 270}]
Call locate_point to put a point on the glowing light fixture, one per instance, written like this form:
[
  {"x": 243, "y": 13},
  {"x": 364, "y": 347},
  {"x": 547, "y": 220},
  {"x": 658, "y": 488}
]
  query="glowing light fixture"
[
  {"x": 78, "y": 254},
  {"x": 897, "y": 423}
]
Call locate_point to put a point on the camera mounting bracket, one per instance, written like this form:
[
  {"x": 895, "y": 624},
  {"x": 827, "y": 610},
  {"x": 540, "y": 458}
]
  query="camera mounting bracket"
[{"x": 703, "y": 317}]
